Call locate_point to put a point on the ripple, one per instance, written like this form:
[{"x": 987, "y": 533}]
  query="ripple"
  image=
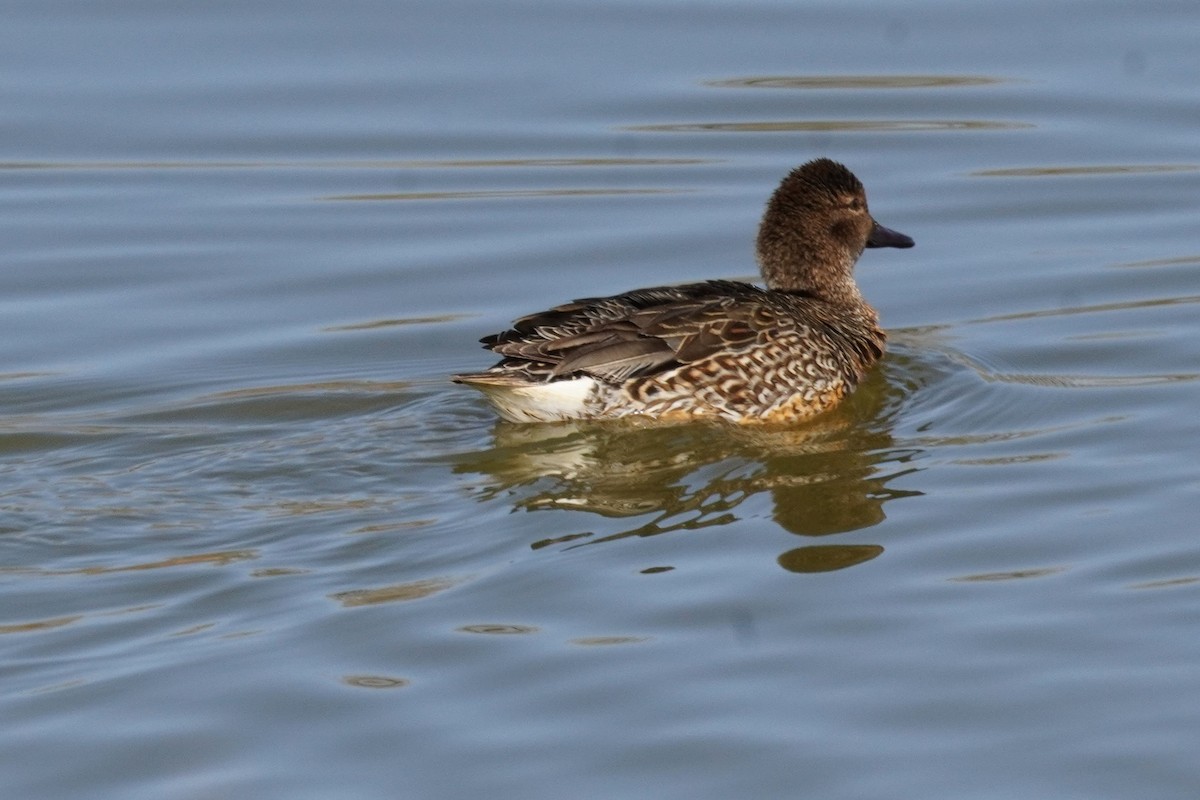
[
  {"x": 391, "y": 323},
  {"x": 1166, "y": 583},
  {"x": 315, "y": 387},
  {"x": 501, "y": 194},
  {"x": 393, "y": 527},
  {"x": 605, "y": 641},
  {"x": 353, "y": 164},
  {"x": 570, "y": 537},
  {"x": 1179, "y": 261},
  {"x": 1124, "y": 305},
  {"x": 219, "y": 559},
  {"x": 375, "y": 681},
  {"x": 861, "y": 125},
  {"x": 854, "y": 81},
  {"x": 303, "y": 508},
  {"x": 563, "y": 162},
  {"x": 558, "y": 162},
  {"x": 993, "y": 373},
  {"x": 1091, "y": 381},
  {"x": 392, "y": 594},
  {"x": 1097, "y": 169},
  {"x": 827, "y": 557},
  {"x": 58, "y": 687},
  {"x": 1013, "y": 575},
  {"x": 194, "y": 629},
  {"x": 40, "y": 625},
  {"x": 498, "y": 629},
  {"x": 24, "y": 376},
  {"x": 1003, "y": 461}
]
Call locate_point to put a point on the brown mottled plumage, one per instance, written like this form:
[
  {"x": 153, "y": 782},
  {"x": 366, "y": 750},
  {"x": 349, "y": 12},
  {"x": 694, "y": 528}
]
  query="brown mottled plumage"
[{"x": 718, "y": 349}]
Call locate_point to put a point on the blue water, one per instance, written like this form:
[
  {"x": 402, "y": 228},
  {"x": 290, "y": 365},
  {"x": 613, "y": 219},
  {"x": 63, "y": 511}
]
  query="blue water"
[{"x": 254, "y": 543}]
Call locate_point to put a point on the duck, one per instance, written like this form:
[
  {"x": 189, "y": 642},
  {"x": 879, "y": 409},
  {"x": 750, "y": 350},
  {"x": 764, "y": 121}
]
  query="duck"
[{"x": 718, "y": 350}]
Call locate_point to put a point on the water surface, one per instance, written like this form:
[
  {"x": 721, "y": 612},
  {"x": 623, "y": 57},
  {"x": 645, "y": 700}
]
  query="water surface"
[{"x": 254, "y": 543}]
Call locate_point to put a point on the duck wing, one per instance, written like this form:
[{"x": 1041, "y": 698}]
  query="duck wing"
[{"x": 634, "y": 334}]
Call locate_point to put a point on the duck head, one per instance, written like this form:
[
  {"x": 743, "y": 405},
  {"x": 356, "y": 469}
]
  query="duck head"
[{"x": 815, "y": 227}]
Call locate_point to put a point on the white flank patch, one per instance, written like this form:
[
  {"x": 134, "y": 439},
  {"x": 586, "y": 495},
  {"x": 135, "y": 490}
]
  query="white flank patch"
[{"x": 540, "y": 402}]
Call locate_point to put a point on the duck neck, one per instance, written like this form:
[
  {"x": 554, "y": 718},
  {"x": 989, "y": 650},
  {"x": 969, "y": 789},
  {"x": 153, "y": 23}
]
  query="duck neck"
[
  {"x": 833, "y": 283},
  {"x": 843, "y": 293}
]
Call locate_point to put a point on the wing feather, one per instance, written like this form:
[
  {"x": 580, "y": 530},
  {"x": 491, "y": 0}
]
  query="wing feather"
[{"x": 637, "y": 333}]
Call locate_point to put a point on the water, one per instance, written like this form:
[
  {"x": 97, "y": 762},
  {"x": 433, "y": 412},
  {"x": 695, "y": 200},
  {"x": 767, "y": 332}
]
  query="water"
[{"x": 255, "y": 544}]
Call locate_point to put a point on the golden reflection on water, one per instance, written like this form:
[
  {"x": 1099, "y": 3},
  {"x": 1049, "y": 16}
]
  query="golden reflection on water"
[
  {"x": 219, "y": 559},
  {"x": 828, "y": 557},
  {"x": 40, "y": 625},
  {"x": 36, "y": 626},
  {"x": 392, "y": 594}
]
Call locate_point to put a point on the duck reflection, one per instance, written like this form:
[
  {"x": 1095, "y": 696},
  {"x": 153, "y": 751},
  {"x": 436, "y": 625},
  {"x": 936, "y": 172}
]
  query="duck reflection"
[{"x": 830, "y": 476}]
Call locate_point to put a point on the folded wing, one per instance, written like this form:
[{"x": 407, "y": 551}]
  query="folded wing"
[{"x": 635, "y": 334}]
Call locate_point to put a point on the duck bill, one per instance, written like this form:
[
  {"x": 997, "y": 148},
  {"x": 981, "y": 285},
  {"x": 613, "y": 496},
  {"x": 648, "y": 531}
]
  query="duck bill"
[{"x": 886, "y": 237}]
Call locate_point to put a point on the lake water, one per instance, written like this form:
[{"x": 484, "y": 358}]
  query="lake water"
[{"x": 253, "y": 543}]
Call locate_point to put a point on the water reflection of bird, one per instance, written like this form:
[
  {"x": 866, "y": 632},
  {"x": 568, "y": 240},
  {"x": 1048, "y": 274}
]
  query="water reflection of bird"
[
  {"x": 830, "y": 475},
  {"x": 714, "y": 350}
]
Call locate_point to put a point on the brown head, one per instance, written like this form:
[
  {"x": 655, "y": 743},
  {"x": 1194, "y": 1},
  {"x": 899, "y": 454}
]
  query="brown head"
[{"x": 815, "y": 228}]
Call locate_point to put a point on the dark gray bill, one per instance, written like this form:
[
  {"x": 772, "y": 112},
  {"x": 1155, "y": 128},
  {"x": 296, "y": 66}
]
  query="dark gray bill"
[{"x": 886, "y": 237}]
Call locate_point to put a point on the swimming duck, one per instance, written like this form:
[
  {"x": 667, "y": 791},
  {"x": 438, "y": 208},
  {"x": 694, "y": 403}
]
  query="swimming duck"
[{"x": 720, "y": 349}]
